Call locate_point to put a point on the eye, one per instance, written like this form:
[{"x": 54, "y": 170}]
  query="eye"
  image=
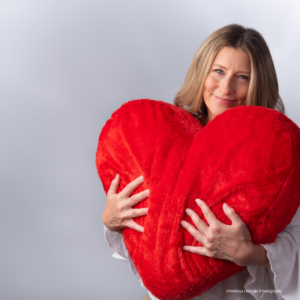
[
  {"x": 219, "y": 71},
  {"x": 243, "y": 77}
]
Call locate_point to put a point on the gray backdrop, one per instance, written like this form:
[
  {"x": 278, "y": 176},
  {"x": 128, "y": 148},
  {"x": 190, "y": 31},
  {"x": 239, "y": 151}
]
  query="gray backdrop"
[{"x": 65, "y": 67}]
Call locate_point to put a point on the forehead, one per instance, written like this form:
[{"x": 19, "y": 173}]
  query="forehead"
[{"x": 230, "y": 57}]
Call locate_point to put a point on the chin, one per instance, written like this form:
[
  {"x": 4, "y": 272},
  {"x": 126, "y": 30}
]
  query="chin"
[{"x": 219, "y": 111}]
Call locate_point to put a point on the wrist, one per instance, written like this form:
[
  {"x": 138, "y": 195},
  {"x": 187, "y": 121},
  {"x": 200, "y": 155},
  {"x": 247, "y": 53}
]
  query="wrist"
[
  {"x": 113, "y": 229},
  {"x": 256, "y": 256}
]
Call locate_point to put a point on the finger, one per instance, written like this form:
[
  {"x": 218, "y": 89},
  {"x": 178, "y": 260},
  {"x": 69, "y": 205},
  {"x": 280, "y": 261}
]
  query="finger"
[
  {"x": 200, "y": 224},
  {"x": 196, "y": 250},
  {"x": 135, "y": 226},
  {"x": 208, "y": 214},
  {"x": 131, "y": 187},
  {"x": 114, "y": 185},
  {"x": 193, "y": 231},
  {"x": 135, "y": 213},
  {"x": 232, "y": 215},
  {"x": 132, "y": 201},
  {"x": 202, "y": 251}
]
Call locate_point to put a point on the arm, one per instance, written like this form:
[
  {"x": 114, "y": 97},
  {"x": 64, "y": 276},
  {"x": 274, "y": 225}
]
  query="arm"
[
  {"x": 118, "y": 214},
  {"x": 116, "y": 243},
  {"x": 284, "y": 260},
  {"x": 283, "y": 255},
  {"x": 230, "y": 242}
]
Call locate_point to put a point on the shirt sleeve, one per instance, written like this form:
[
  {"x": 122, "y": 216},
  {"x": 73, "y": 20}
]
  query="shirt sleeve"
[
  {"x": 283, "y": 255},
  {"x": 116, "y": 243}
]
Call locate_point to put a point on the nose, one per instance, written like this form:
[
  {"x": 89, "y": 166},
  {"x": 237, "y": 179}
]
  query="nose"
[{"x": 226, "y": 86}]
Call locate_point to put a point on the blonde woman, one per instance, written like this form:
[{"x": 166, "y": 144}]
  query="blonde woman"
[{"x": 232, "y": 67}]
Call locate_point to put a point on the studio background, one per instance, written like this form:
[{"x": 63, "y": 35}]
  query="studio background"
[{"x": 65, "y": 67}]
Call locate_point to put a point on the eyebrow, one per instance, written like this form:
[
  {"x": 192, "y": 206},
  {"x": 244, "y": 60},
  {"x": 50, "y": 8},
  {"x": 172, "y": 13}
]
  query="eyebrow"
[{"x": 217, "y": 65}]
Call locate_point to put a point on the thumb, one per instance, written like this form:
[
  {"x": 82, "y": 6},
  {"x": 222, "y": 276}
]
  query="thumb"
[
  {"x": 231, "y": 214},
  {"x": 114, "y": 185}
]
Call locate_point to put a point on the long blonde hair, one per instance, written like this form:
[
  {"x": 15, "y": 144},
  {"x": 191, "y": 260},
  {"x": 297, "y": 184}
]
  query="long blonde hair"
[{"x": 263, "y": 87}]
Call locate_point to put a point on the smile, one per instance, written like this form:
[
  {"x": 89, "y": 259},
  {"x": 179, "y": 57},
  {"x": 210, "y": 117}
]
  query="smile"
[{"x": 225, "y": 101}]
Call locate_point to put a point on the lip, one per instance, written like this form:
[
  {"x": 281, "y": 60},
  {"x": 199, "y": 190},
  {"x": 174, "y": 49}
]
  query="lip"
[{"x": 225, "y": 101}]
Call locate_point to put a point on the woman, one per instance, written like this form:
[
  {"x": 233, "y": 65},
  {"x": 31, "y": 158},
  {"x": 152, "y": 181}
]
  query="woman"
[{"x": 232, "y": 67}]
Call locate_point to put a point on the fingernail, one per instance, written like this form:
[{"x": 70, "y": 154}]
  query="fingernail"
[
  {"x": 141, "y": 178},
  {"x": 188, "y": 211},
  {"x": 182, "y": 223},
  {"x": 184, "y": 248},
  {"x": 116, "y": 175},
  {"x": 147, "y": 209},
  {"x": 147, "y": 192},
  {"x": 198, "y": 201},
  {"x": 225, "y": 205}
]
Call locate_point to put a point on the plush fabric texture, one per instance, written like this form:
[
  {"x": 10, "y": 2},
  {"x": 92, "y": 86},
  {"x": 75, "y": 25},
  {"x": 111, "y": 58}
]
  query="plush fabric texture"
[{"x": 248, "y": 157}]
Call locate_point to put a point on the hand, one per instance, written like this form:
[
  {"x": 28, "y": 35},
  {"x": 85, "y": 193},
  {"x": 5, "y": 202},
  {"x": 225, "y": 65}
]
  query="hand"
[
  {"x": 229, "y": 242},
  {"x": 118, "y": 212}
]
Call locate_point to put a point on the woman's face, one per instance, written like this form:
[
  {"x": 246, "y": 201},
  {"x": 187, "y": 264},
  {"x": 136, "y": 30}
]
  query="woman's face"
[{"x": 226, "y": 85}]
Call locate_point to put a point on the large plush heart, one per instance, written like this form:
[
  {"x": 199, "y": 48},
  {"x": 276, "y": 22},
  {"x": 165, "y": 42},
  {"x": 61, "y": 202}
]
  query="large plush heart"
[{"x": 248, "y": 157}]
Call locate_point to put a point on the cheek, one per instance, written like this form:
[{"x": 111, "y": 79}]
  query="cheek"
[
  {"x": 243, "y": 92},
  {"x": 210, "y": 84}
]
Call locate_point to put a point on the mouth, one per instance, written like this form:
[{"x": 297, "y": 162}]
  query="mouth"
[{"x": 225, "y": 101}]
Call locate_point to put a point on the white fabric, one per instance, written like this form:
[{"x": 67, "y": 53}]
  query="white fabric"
[{"x": 281, "y": 281}]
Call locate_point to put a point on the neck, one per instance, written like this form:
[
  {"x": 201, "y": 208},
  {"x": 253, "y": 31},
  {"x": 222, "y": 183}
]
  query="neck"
[{"x": 203, "y": 120}]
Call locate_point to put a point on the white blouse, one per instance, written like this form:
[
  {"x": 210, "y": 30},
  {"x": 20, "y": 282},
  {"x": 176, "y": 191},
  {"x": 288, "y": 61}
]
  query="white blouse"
[{"x": 280, "y": 281}]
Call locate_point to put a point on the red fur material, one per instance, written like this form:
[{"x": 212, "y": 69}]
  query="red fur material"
[{"x": 248, "y": 157}]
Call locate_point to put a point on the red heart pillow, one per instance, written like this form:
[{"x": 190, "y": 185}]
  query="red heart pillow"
[{"x": 248, "y": 157}]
